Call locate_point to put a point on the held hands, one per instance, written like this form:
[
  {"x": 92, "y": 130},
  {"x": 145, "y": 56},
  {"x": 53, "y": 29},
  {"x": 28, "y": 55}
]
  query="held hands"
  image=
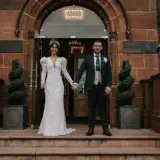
[
  {"x": 74, "y": 87},
  {"x": 108, "y": 90}
]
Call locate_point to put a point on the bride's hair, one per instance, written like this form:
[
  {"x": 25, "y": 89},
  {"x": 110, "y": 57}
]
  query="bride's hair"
[{"x": 52, "y": 42}]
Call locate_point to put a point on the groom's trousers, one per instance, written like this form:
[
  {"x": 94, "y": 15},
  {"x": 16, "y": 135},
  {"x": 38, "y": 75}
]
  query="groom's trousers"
[{"x": 97, "y": 97}]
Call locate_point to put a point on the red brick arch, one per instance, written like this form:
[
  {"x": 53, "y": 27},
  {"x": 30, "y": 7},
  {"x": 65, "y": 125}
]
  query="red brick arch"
[{"x": 35, "y": 12}]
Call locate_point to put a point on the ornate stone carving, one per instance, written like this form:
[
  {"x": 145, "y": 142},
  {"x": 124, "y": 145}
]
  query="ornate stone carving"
[
  {"x": 17, "y": 32},
  {"x": 113, "y": 35},
  {"x": 30, "y": 34},
  {"x": 128, "y": 34}
]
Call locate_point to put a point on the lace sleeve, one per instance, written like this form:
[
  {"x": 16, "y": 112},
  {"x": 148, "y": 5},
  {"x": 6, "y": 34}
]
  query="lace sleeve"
[
  {"x": 44, "y": 69},
  {"x": 64, "y": 70}
]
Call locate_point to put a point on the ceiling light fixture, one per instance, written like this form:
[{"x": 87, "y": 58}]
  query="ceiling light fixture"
[{"x": 73, "y": 13}]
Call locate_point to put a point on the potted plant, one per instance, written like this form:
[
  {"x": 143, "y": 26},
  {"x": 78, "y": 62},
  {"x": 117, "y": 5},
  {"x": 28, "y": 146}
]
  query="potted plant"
[
  {"x": 15, "y": 114},
  {"x": 128, "y": 114}
]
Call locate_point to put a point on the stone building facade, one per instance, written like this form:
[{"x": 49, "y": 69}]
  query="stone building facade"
[{"x": 132, "y": 28}]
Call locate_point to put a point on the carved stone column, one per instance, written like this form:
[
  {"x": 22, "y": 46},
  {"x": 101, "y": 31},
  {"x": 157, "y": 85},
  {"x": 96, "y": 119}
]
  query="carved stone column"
[
  {"x": 112, "y": 54},
  {"x": 112, "y": 45}
]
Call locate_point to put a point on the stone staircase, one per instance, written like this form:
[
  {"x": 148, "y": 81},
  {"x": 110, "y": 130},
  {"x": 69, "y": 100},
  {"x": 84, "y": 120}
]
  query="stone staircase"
[{"x": 123, "y": 145}]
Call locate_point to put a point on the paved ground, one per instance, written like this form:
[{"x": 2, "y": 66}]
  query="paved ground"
[{"x": 81, "y": 130}]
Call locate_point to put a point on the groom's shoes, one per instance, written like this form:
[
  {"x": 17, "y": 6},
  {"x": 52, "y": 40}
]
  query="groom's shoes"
[
  {"x": 107, "y": 132},
  {"x": 90, "y": 132}
]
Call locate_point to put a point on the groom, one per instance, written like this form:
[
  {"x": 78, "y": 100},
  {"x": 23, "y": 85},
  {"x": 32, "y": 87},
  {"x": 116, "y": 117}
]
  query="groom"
[{"x": 98, "y": 85}]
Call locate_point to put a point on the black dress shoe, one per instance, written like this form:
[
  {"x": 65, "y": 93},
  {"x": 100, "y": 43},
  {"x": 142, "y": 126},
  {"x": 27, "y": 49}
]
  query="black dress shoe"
[
  {"x": 107, "y": 132},
  {"x": 90, "y": 132}
]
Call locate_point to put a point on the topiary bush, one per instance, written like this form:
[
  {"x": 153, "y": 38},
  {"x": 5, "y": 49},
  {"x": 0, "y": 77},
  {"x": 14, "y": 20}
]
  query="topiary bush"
[
  {"x": 16, "y": 89},
  {"x": 124, "y": 92}
]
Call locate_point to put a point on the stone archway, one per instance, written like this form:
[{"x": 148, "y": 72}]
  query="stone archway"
[{"x": 34, "y": 13}]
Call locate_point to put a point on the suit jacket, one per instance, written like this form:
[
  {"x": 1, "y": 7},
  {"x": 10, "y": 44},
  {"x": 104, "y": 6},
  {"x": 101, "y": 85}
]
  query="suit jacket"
[{"x": 88, "y": 65}]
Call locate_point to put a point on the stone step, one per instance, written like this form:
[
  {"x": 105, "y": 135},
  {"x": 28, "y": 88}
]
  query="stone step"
[
  {"x": 80, "y": 141},
  {"x": 72, "y": 153}
]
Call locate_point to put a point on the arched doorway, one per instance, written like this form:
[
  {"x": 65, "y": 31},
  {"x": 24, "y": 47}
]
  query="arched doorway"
[
  {"x": 35, "y": 12},
  {"x": 76, "y": 28}
]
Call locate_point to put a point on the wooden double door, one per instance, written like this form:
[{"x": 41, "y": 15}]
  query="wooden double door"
[{"x": 75, "y": 102}]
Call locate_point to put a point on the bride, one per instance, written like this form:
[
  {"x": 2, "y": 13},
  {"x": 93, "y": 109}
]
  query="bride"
[{"x": 53, "y": 121}]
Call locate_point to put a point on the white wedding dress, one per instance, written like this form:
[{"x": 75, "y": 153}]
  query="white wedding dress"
[{"x": 53, "y": 122}]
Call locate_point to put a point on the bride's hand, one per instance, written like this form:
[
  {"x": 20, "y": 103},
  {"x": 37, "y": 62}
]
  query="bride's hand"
[{"x": 42, "y": 86}]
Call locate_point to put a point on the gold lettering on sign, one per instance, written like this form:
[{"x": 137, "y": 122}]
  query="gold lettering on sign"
[{"x": 76, "y": 46}]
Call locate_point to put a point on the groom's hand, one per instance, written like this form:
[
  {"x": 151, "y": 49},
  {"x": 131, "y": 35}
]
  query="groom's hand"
[
  {"x": 42, "y": 86},
  {"x": 108, "y": 90}
]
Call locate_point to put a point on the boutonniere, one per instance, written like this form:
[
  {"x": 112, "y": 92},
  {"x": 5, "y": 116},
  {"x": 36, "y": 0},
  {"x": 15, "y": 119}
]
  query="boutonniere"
[{"x": 105, "y": 60}]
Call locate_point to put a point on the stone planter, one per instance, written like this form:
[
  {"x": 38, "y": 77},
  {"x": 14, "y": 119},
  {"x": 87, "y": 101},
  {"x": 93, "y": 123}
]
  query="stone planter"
[
  {"x": 129, "y": 117},
  {"x": 15, "y": 117}
]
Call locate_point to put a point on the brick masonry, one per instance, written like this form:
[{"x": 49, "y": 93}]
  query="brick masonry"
[{"x": 142, "y": 20}]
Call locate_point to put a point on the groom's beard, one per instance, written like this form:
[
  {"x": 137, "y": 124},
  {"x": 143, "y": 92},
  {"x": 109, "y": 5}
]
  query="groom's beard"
[{"x": 97, "y": 52}]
